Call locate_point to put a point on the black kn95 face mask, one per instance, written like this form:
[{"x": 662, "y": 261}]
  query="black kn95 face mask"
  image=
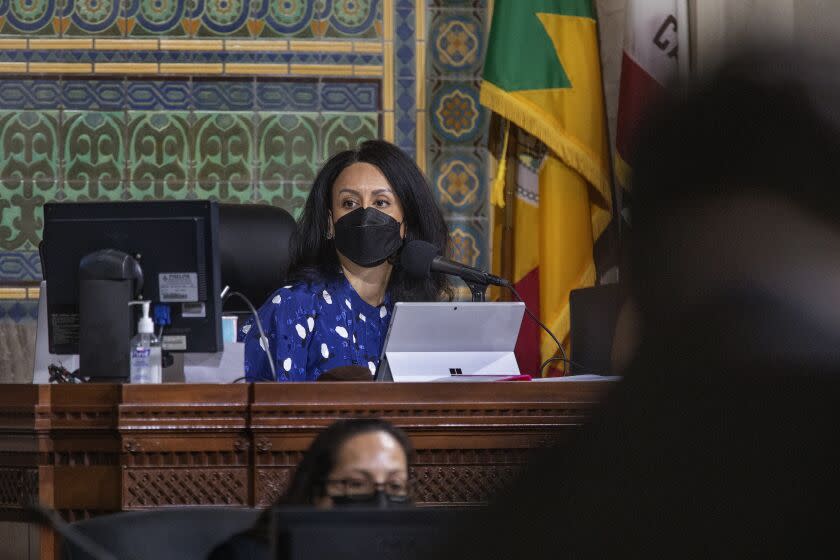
[{"x": 367, "y": 236}]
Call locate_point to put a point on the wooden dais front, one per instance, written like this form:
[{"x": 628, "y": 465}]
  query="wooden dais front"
[{"x": 92, "y": 449}]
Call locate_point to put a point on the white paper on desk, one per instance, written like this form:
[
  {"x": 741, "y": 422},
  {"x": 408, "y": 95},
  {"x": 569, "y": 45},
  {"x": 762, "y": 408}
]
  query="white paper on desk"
[
  {"x": 220, "y": 367},
  {"x": 583, "y": 377},
  {"x": 472, "y": 378}
]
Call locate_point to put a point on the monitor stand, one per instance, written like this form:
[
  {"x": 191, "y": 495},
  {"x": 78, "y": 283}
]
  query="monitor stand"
[{"x": 43, "y": 357}]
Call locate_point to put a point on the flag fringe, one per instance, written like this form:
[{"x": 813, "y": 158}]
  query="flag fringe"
[{"x": 503, "y": 103}]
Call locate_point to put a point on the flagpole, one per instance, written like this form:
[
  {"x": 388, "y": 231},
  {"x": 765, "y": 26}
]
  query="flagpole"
[
  {"x": 616, "y": 221},
  {"x": 508, "y": 224},
  {"x": 683, "y": 40}
]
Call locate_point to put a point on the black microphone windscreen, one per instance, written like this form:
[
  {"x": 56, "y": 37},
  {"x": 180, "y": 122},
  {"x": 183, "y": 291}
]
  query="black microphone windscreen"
[{"x": 416, "y": 258}]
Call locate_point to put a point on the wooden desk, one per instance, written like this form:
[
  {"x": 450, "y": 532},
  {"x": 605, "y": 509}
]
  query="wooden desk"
[{"x": 92, "y": 449}]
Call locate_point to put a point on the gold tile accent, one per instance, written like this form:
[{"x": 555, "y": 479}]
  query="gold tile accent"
[
  {"x": 175, "y": 68},
  {"x": 59, "y": 44},
  {"x": 11, "y": 44},
  {"x": 12, "y": 67},
  {"x": 420, "y": 24},
  {"x": 420, "y": 73},
  {"x": 258, "y": 69},
  {"x": 191, "y": 44},
  {"x": 321, "y": 46},
  {"x": 364, "y": 70},
  {"x": 12, "y": 293},
  {"x": 388, "y": 18},
  {"x": 126, "y": 45},
  {"x": 126, "y": 68},
  {"x": 256, "y": 45},
  {"x": 60, "y": 67},
  {"x": 421, "y": 141},
  {"x": 33, "y": 293},
  {"x": 321, "y": 69},
  {"x": 367, "y": 47},
  {"x": 388, "y": 72},
  {"x": 388, "y": 126}
]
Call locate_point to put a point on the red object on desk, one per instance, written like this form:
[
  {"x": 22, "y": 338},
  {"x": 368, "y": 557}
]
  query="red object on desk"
[{"x": 516, "y": 378}]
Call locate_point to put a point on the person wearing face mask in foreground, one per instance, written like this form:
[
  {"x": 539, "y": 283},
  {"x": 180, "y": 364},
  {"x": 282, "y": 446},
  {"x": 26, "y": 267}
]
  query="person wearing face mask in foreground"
[
  {"x": 345, "y": 275},
  {"x": 356, "y": 463}
]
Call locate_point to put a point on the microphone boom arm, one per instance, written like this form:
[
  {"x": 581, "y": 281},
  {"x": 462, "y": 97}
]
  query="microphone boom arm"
[{"x": 478, "y": 289}]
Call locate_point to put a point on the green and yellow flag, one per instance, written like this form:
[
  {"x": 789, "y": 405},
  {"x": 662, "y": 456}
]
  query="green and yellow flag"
[{"x": 543, "y": 73}]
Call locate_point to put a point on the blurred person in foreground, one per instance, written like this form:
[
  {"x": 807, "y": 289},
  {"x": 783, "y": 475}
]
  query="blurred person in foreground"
[
  {"x": 360, "y": 462},
  {"x": 722, "y": 438}
]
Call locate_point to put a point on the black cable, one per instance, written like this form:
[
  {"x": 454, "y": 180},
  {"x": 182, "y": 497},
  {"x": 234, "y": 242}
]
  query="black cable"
[
  {"x": 265, "y": 345},
  {"x": 563, "y": 357},
  {"x": 50, "y": 518},
  {"x": 550, "y": 360},
  {"x": 60, "y": 374},
  {"x": 580, "y": 369}
]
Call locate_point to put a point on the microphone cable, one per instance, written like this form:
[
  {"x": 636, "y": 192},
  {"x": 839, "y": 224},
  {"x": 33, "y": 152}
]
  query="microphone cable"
[
  {"x": 226, "y": 294},
  {"x": 533, "y": 317},
  {"x": 50, "y": 518}
]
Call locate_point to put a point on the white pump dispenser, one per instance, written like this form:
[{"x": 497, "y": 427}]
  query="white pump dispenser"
[{"x": 145, "y": 349}]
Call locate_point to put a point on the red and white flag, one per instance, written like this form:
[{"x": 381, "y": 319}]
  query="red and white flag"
[{"x": 655, "y": 54}]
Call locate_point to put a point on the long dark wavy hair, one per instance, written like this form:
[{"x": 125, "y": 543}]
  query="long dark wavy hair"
[{"x": 314, "y": 256}]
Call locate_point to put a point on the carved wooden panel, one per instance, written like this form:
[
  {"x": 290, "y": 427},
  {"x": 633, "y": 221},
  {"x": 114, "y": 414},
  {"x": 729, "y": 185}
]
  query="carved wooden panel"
[
  {"x": 18, "y": 487},
  {"x": 150, "y": 487},
  {"x": 461, "y": 484},
  {"x": 84, "y": 458},
  {"x": 99, "y": 447},
  {"x": 271, "y": 484},
  {"x": 140, "y": 453},
  {"x": 439, "y": 406}
]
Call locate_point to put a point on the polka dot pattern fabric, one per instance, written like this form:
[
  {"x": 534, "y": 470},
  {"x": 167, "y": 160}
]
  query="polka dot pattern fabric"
[{"x": 312, "y": 328}]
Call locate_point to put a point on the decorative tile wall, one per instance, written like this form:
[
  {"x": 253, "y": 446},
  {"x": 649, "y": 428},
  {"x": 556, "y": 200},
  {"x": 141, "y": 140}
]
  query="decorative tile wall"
[
  {"x": 236, "y": 100},
  {"x": 457, "y": 141}
]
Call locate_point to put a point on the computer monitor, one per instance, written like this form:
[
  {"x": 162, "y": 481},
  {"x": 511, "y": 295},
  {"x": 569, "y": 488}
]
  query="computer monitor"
[
  {"x": 177, "y": 246},
  {"x": 362, "y": 534}
]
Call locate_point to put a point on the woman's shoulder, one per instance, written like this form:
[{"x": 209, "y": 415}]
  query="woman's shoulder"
[{"x": 306, "y": 293}]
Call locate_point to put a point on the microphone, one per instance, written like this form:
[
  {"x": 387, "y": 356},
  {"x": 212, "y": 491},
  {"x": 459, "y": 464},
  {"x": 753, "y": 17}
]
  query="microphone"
[{"x": 420, "y": 259}]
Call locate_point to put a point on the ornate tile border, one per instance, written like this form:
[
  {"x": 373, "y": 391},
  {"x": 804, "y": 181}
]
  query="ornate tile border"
[
  {"x": 411, "y": 66},
  {"x": 456, "y": 137}
]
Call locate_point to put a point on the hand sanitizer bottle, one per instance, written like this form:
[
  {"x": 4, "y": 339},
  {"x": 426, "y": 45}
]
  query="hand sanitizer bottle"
[{"x": 145, "y": 350}]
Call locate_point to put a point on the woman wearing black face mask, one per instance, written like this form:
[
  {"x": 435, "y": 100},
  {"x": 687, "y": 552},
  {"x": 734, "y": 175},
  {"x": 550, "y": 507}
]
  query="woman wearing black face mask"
[
  {"x": 359, "y": 463},
  {"x": 345, "y": 277}
]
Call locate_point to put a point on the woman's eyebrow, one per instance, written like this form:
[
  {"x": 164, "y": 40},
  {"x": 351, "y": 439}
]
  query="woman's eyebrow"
[{"x": 385, "y": 190}]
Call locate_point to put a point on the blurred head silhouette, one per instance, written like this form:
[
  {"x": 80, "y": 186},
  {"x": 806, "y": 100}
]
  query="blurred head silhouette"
[
  {"x": 721, "y": 439},
  {"x": 736, "y": 198}
]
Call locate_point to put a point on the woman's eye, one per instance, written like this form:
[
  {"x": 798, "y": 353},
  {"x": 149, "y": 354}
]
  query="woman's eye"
[
  {"x": 357, "y": 484},
  {"x": 348, "y": 203},
  {"x": 382, "y": 203}
]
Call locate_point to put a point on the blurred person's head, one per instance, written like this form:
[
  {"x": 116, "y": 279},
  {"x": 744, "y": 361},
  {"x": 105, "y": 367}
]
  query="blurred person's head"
[
  {"x": 353, "y": 462},
  {"x": 735, "y": 190}
]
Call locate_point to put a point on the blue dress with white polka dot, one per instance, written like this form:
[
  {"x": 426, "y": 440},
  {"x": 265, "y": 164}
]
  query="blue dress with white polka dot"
[{"x": 312, "y": 328}]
